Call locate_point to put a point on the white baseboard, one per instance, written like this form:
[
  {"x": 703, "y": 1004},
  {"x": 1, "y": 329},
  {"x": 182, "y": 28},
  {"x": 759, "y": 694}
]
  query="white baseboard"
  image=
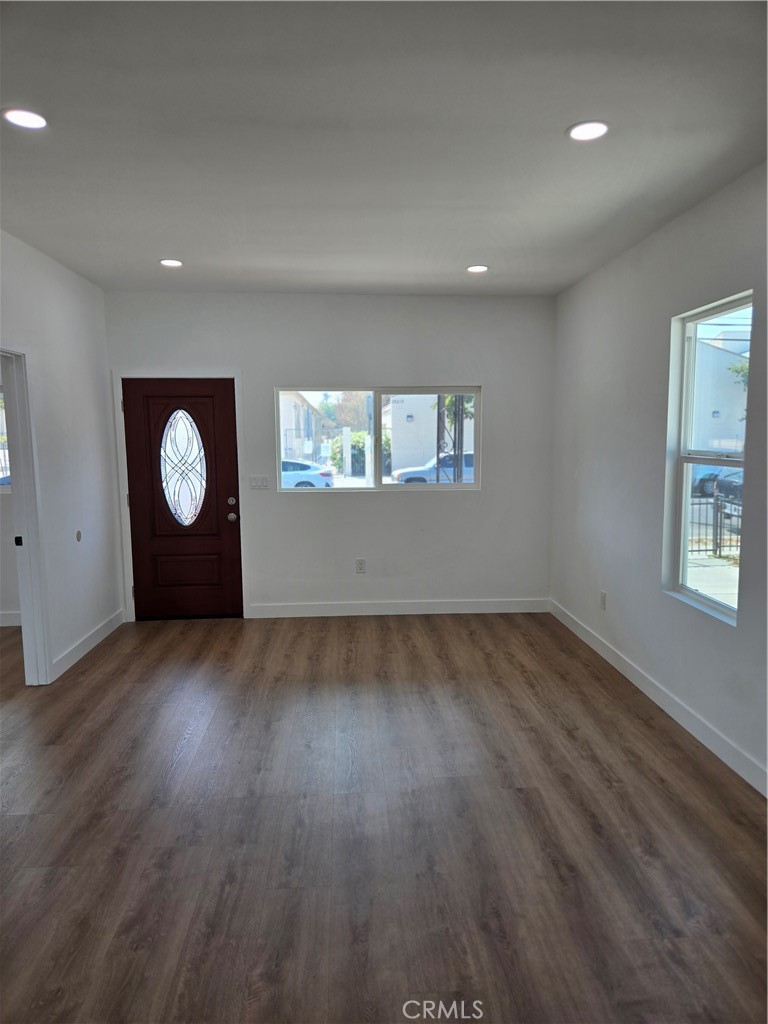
[
  {"x": 80, "y": 649},
  {"x": 736, "y": 758},
  {"x": 10, "y": 619},
  {"x": 437, "y": 607}
]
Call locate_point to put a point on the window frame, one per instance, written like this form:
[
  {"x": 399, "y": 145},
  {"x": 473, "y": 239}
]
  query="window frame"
[
  {"x": 682, "y": 391},
  {"x": 378, "y": 486}
]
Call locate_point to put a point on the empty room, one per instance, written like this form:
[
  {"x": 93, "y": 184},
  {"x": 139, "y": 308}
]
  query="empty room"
[{"x": 383, "y": 512}]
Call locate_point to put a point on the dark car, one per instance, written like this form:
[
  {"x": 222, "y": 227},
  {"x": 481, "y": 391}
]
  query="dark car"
[
  {"x": 729, "y": 484},
  {"x": 703, "y": 480}
]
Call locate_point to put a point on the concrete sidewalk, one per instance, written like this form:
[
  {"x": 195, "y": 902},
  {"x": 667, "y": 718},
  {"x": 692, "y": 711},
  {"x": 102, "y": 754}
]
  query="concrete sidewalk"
[{"x": 714, "y": 577}]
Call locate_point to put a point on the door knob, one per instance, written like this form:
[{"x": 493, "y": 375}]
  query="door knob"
[{"x": 232, "y": 517}]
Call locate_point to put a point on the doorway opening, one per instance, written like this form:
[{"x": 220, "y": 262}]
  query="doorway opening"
[
  {"x": 21, "y": 553},
  {"x": 10, "y": 609}
]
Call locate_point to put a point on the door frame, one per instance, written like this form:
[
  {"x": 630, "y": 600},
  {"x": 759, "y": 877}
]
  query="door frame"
[
  {"x": 118, "y": 376},
  {"x": 27, "y": 516}
]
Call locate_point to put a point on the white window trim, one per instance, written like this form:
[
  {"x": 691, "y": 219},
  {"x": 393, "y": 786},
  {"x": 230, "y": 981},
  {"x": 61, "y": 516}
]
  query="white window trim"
[
  {"x": 378, "y": 486},
  {"x": 681, "y": 395}
]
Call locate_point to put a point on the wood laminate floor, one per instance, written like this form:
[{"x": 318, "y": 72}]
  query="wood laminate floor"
[{"x": 315, "y": 820}]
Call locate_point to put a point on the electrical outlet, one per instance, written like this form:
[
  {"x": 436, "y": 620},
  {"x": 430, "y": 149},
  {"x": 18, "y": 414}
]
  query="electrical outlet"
[
  {"x": 602, "y": 599},
  {"x": 360, "y": 565}
]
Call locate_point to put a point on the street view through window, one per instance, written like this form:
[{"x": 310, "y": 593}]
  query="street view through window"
[
  {"x": 5, "y": 465},
  {"x": 378, "y": 438},
  {"x": 712, "y": 463}
]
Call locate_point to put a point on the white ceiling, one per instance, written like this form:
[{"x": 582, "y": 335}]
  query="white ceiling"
[{"x": 370, "y": 147}]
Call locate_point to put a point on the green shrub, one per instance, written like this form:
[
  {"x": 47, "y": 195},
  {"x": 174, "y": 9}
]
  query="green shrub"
[{"x": 358, "y": 453}]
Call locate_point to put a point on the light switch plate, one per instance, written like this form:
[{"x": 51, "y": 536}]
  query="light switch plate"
[{"x": 259, "y": 483}]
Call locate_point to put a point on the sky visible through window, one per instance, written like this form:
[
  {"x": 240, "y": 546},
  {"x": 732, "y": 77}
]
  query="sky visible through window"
[{"x": 734, "y": 325}]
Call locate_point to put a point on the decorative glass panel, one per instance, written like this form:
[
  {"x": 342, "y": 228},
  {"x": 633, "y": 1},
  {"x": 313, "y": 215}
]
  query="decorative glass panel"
[{"x": 182, "y": 467}]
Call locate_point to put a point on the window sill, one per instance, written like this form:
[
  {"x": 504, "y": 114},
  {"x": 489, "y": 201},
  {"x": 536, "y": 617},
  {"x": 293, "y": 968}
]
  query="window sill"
[{"x": 704, "y": 604}]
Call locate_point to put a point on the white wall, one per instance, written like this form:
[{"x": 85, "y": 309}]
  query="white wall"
[
  {"x": 474, "y": 549},
  {"x": 612, "y": 357},
  {"x": 56, "y": 319}
]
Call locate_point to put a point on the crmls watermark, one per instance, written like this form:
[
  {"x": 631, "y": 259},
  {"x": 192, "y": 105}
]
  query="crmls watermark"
[{"x": 428, "y": 1009}]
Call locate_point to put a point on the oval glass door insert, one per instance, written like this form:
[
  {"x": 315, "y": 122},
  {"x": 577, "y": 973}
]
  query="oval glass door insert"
[{"x": 182, "y": 467}]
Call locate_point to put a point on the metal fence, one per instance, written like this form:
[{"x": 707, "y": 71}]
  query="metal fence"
[{"x": 714, "y": 527}]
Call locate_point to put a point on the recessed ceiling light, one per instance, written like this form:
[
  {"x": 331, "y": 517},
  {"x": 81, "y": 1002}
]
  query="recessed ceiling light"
[
  {"x": 24, "y": 118},
  {"x": 477, "y": 268},
  {"x": 170, "y": 263},
  {"x": 586, "y": 131}
]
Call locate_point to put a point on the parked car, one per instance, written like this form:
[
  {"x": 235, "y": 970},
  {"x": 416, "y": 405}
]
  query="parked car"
[
  {"x": 729, "y": 484},
  {"x": 297, "y": 473},
  {"x": 703, "y": 480},
  {"x": 706, "y": 481},
  {"x": 427, "y": 473}
]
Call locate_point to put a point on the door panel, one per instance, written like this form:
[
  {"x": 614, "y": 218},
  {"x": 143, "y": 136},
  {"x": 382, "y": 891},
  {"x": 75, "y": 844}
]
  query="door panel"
[{"x": 186, "y": 559}]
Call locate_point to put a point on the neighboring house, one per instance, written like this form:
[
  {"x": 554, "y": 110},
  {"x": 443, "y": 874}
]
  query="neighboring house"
[
  {"x": 411, "y": 421},
  {"x": 721, "y": 422},
  {"x": 302, "y": 427}
]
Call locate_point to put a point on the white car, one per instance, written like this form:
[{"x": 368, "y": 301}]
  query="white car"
[
  {"x": 426, "y": 474},
  {"x": 297, "y": 473}
]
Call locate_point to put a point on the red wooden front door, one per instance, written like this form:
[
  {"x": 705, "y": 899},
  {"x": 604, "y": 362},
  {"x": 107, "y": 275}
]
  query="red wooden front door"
[{"x": 181, "y": 446}]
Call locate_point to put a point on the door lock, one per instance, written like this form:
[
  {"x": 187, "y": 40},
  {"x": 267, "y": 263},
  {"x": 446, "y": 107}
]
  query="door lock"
[{"x": 231, "y": 501}]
